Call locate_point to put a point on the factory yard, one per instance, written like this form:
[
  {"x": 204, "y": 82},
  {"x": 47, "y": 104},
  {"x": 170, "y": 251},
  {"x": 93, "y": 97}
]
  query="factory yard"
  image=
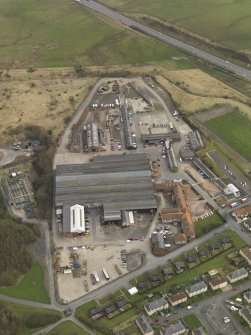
[
  {"x": 97, "y": 259},
  {"x": 119, "y": 194}
]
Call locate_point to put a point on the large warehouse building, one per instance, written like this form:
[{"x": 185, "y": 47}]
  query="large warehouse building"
[{"x": 116, "y": 183}]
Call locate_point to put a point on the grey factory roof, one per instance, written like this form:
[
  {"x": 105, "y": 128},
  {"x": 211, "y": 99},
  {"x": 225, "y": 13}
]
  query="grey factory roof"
[
  {"x": 116, "y": 182},
  {"x": 161, "y": 136},
  {"x": 157, "y": 241},
  {"x": 176, "y": 328},
  {"x": 197, "y": 287},
  {"x": 209, "y": 173}
]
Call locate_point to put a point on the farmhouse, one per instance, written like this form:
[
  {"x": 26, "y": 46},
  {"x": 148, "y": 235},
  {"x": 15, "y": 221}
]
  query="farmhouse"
[
  {"x": 156, "y": 306},
  {"x": 237, "y": 275}
]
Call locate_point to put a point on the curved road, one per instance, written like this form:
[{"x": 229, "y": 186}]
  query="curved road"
[{"x": 221, "y": 63}]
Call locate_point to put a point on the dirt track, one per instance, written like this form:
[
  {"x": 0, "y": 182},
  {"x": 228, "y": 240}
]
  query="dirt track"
[{"x": 204, "y": 117}]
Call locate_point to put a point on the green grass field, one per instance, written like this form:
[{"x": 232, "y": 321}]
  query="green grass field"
[
  {"x": 204, "y": 226},
  {"x": 30, "y": 287},
  {"x": 235, "y": 130},
  {"x": 23, "y": 310},
  {"x": 64, "y": 33},
  {"x": 192, "y": 321},
  {"x": 68, "y": 328},
  {"x": 226, "y": 22}
]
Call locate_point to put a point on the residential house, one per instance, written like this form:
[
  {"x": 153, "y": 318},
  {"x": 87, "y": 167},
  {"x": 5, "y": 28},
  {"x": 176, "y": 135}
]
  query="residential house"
[
  {"x": 191, "y": 259},
  {"x": 144, "y": 325},
  {"x": 109, "y": 309},
  {"x": 196, "y": 289},
  {"x": 174, "y": 329},
  {"x": 167, "y": 272},
  {"x": 247, "y": 297},
  {"x": 236, "y": 275},
  {"x": 121, "y": 303},
  {"x": 246, "y": 254},
  {"x": 180, "y": 266},
  {"x": 245, "y": 313},
  {"x": 96, "y": 312},
  {"x": 155, "y": 306},
  {"x": 155, "y": 278},
  {"x": 203, "y": 253},
  {"x": 177, "y": 298},
  {"x": 214, "y": 246},
  {"x": 141, "y": 285},
  {"x": 225, "y": 240},
  {"x": 217, "y": 283}
]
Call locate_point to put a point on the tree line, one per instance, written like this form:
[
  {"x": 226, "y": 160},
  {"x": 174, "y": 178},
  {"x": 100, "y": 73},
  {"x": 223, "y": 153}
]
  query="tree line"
[{"x": 12, "y": 324}]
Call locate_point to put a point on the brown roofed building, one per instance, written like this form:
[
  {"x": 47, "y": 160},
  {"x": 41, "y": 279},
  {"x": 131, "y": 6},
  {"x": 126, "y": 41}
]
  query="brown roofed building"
[
  {"x": 180, "y": 239},
  {"x": 170, "y": 214},
  {"x": 187, "y": 222},
  {"x": 218, "y": 283},
  {"x": 178, "y": 298},
  {"x": 241, "y": 212}
]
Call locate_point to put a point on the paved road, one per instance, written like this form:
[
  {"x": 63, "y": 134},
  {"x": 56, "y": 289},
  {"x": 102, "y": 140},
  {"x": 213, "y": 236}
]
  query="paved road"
[{"x": 167, "y": 39}]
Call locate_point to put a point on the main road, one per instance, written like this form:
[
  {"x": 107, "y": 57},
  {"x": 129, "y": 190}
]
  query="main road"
[{"x": 221, "y": 63}]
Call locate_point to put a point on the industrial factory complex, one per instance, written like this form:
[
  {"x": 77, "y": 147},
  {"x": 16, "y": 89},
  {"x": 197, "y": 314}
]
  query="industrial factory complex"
[
  {"x": 129, "y": 181},
  {"x": 116, "y": 183}
]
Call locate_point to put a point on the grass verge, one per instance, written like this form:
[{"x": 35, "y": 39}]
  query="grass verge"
[
  {"x": 30, "y": 287},
  {"x": 68, "y": 328}
]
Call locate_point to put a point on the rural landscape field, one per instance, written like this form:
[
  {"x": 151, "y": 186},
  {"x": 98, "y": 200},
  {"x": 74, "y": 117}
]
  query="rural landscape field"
[
  {"x": 63, "y": 33},
  {"x": 225, "y": 22},
  {"x": 234, "y": 128}
]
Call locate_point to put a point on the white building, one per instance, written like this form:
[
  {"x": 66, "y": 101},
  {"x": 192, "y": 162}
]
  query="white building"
[
  {"x": 232, "y": 189},
  {"x": 77, "y": 219}
]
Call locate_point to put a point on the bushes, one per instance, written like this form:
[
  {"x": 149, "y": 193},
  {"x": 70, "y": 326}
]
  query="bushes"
[
  {"x": 15, "y": 259},
  {"x": 43, "y": 184},
  {"x": 17, "y": 319},
  {"x": 10, "y": 323},
  {"x": 35, "y": 320}
]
